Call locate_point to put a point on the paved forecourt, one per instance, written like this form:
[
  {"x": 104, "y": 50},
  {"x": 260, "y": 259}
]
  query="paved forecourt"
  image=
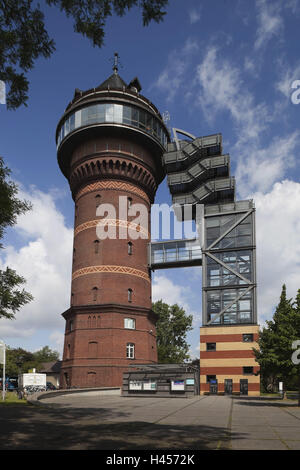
[{"x": 93, "y": 421}]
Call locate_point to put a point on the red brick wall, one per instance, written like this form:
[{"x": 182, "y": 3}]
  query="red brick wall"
[{"x": 95, "y": 349}]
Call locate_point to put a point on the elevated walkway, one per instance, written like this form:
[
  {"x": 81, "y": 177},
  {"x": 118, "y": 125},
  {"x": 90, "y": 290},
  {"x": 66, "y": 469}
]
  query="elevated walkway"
[{"x": 174, "y": 254}]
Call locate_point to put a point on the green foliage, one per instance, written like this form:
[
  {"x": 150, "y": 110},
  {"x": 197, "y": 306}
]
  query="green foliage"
[
  {"x": 275, "y": 343},
  {"x": 23, "y": 37},
  {"x": 12, "y": 297},
  {"x": 20, "y": 361},
  {"x": 11, "y": 206},
  {"x": 46, "y": 355},
  {"x": 171, "y": 328}
]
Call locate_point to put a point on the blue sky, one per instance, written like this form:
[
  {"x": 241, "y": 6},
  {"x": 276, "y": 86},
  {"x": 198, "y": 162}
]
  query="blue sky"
[{"x": 218, "y": 66}]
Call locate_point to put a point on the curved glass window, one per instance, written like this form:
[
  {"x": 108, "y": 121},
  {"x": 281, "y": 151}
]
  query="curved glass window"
[{"x": 113, "y": 113}]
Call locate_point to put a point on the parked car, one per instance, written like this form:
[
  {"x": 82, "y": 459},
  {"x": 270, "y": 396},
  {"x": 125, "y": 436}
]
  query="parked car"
[
  {"x": 50, "y": 386},
  {"x": 11, "y": 384}
]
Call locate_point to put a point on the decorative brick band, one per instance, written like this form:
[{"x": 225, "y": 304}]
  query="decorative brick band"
[
  {"x": 112, "y": 222},
  {"x": 110, "y": 269},
  {"x": 111, "y": 184}
]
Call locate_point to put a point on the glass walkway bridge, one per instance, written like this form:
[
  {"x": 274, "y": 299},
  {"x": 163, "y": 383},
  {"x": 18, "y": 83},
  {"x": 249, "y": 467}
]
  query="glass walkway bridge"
[{"x": 174, "y": 254}]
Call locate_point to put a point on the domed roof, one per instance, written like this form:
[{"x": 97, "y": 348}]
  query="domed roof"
[{"x": 114, "y": 82}]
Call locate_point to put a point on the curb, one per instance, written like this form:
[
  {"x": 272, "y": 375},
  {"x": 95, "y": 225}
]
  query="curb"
[{"x": 37, "y": 398}]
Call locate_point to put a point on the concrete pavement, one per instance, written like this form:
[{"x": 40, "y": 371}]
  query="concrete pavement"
[{"x": 93, "y": 421}]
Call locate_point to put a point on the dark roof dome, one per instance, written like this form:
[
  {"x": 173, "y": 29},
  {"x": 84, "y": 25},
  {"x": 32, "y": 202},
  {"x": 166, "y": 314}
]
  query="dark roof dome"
[{"x": 114, "y": 82}]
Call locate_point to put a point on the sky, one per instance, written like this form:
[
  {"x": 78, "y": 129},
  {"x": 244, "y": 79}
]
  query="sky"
[{"x": 224, "y": 66}]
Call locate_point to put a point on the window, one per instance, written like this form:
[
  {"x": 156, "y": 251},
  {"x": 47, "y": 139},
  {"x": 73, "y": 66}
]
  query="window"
[
  {"x": 247, "y": 338},
  {"x": 130, "y": 351},
  {"x": 98, "y": 200},
  {"x": 129, "y": 295},
  {"x": 130, "y": 248},
  {"x": 247, "y": 370},
  {"x": 71, "y": 325},
  {"x": 129, "y": 323},
  {"x": 92, "y": 349},
  {"x": 96, "y": 246},
  {"x": 95, "y": 293},
  {"x": 210, "y": 378},
  {"x": 112, "y": 112},
  {"x": 210, "y": 346},
  {"x": 129, "y": 199}
]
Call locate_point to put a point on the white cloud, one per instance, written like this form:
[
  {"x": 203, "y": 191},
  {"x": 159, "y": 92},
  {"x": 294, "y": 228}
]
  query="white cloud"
[
  {"x": 195, "y": 15},
  {"x": 259, "y": 162},
  {"x": 260, "y": 166},
  {"x": 44, "y": 259},
  {"x": 270, "y": 19},
  {"x": 173, "y": 75},
  {"x": 163, "y": 288},
  {"x": 270, "y": 22},
  {"x": 222, "y": 89},
  {"x": 278, "y": 248}
]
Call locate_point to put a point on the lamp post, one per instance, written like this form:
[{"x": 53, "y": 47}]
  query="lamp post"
[{"x": 2, "y": 361}]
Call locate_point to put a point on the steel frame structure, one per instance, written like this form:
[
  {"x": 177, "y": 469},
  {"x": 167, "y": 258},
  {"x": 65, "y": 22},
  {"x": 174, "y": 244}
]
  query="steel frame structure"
[{"x": 229, "y": 264}]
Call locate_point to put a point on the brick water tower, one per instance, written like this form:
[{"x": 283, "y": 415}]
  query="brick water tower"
[{"x": 110, "y": 141}]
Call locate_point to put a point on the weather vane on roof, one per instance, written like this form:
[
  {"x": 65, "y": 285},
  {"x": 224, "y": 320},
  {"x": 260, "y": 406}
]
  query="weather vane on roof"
[{"x": 116, "y": 62}]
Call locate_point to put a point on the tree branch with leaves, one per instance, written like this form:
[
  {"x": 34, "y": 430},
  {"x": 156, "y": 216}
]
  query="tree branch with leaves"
[
  {"x": 24, "y": 38},
  {"x": 12, "y": 295}
]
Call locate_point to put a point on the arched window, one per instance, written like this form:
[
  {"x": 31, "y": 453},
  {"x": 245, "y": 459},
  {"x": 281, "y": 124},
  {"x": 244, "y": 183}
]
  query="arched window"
[
  {"x": 129, "y": 202},
  {"x": 96, "y": 246},
  {"x": 130, "y": 248},
  {"x": 95, "y": 293},
  {"x": 92, "y": 349},
  {"x": 130, "y": 350},
  {"x": 98, "y": 200},
  {"x": 91, "y": 379},
  {"x": 129, "y": 295}
]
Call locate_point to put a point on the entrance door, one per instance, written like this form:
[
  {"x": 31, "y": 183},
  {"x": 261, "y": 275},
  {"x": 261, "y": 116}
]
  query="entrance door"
[
  {"x": 213, "y": 387},
  {"x": 244, "y": 386},
  {"x": 228, "y": 386}
]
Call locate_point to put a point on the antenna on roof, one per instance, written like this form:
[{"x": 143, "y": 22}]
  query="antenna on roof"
[{"x": 117, "y": 62}]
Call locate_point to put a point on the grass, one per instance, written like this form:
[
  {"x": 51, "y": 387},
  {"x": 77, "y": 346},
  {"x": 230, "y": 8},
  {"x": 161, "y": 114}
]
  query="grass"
[{"x": 11, "y": 398}]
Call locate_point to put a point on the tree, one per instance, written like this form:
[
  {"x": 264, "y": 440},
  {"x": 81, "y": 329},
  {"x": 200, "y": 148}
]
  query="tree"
[
  {"x": 276, "y": 342},
  {"x": 171, "y": 328},
  {"x": 12, "y": 298},
  {"x": 20, "y": 361},
  {"x": 23, "y": 37},
  {"x": 46, "y": 354}
]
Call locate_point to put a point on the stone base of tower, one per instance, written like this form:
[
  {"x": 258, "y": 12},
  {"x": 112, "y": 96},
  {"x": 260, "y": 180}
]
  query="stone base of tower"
[
  {"x": 227, "y": 362},
  {"x": 87, "y": 377},
  {"x": 101, "y": 341}
]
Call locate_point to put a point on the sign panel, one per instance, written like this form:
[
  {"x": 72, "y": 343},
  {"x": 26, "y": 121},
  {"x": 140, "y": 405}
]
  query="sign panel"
[
  {"x": 135, "y": 385},
  {"x": 177, "y": 385},
  {"x": 190, "y": 382},
  {"x": 149, "y": 384}
]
